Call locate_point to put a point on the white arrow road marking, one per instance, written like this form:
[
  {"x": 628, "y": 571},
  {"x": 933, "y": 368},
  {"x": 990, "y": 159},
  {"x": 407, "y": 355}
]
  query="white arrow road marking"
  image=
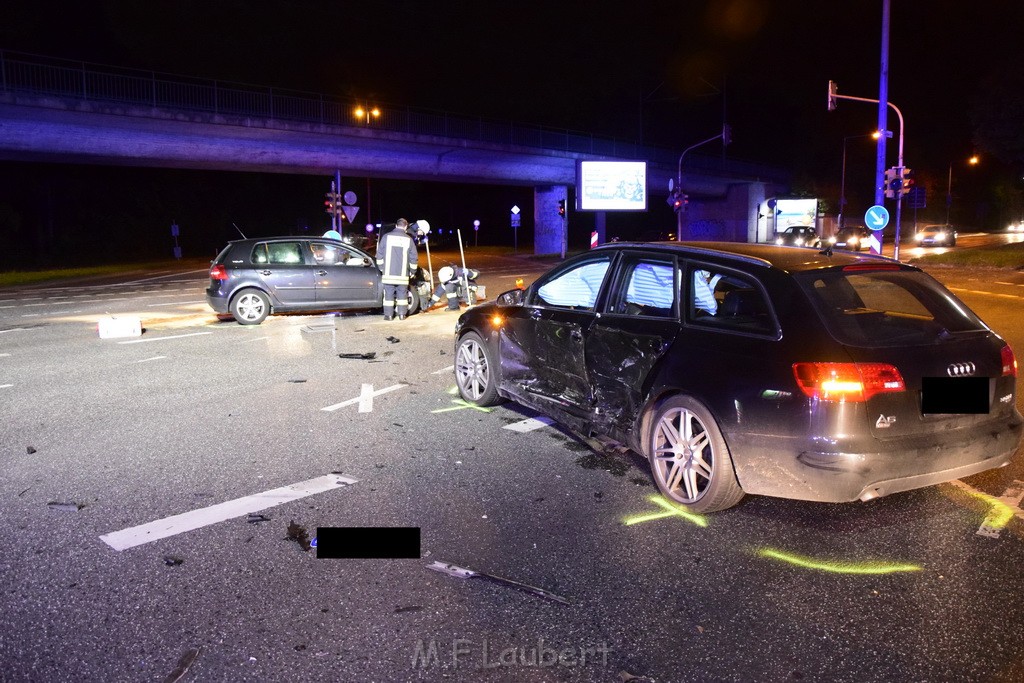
[
  {"x": 365, "y": 398},
  {"x": 196, "y": 519},
  {"x": 529, "y": 424}
]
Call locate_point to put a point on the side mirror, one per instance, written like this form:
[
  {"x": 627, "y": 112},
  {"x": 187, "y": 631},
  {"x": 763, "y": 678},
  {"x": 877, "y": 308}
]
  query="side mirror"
[{"x": 513, "y": 297}]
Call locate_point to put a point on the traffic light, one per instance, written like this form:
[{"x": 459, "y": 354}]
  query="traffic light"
[
  {"x": 332, "y": 203},
  {"x": 908, "y": 181},
  {"x": 561, "y": 208},
  {"x": 678, "y": 201},
  {"x": 893, "y": 182}
]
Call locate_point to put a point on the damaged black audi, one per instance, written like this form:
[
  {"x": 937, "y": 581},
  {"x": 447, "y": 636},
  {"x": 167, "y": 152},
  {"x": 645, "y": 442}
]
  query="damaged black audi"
[{"x": 752, "y": 369}]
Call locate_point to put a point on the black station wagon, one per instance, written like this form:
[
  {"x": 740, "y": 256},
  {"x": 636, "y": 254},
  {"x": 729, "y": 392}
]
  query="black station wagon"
[
  {"x": 744, "y": 368},
  {"x": 252, "y": 278}
]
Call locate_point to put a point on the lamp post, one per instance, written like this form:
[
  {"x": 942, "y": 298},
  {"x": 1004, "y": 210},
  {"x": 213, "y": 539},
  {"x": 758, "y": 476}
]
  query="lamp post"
[
  {"x": 949, "y": 184},
  {"x": 842, "y": 186},
  {"x": 366, "y": 112}
]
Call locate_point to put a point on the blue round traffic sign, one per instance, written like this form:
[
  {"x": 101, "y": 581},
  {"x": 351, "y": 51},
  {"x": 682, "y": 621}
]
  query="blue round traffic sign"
[{"x": 876, "y": 218}]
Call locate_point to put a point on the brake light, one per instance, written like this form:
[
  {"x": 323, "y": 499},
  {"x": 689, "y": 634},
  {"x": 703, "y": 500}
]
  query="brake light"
[
  {"x": 853, "y": 382},
  {"x": 219, "y": 272},
  {"x": 1009, "y": 361}
]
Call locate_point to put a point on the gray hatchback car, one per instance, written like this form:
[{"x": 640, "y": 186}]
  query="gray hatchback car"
[{"x": 252, "y": 278}]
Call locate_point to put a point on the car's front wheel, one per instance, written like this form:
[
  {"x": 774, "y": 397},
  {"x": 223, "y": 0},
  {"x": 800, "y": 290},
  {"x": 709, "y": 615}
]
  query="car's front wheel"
[
  {"x": 250, "y": 307},
  {"x": 689, "y": 458},
  {"x": 476, "y": 371}
]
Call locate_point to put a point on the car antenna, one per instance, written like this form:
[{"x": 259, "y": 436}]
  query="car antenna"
[{"x": 240, "y": 231}]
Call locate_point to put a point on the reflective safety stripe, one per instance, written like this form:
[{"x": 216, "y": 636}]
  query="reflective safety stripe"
[{"x": 389, "y": 303}]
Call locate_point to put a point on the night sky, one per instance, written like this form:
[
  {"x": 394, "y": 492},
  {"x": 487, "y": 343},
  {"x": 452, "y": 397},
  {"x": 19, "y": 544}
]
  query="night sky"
[{"x": 667, "y": 71}]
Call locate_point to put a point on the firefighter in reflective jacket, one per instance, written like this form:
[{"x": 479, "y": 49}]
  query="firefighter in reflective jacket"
[
  {"x": 450, "y": 284},
  {"x": 397, "y": 259}
]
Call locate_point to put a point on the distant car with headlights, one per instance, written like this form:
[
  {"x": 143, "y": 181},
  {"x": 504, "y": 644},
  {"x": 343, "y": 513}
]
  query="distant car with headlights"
[
  {"x": 798, "y": 236},
  {"x": 936, "y": 236},
  {"x": 750, "y": 368},
  {"x": 252, "y": 278},
  {"x": 852, "y": 238},
  {"x": 1016, "y": 226}
]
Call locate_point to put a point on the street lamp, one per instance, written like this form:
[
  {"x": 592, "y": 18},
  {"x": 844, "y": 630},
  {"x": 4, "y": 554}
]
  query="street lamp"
[
  {"x": 973, "y": 161},
  {"x": 842, "y": 187},
  {"x": 361, "y": 112}
]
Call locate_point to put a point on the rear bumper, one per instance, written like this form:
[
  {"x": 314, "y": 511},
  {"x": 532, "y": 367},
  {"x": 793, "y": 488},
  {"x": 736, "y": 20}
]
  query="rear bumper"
[
  {"x": 217, "y": 301},
  {"x": 906, "y": 464}
]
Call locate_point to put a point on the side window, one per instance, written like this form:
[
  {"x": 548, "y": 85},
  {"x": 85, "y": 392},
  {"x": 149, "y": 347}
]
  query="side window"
[
  {"x": 332, "y": 255},
  {"x": 726, "y": 300},
  {"x": 259, "y": 253},
  {"x": 574, "y": 288},
  {"x": 647, "y": 288},
  {"x": 284, "y": 253}
]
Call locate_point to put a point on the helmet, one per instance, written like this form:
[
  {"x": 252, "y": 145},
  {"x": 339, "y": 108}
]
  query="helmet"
[{"x": 446, "y": 273}]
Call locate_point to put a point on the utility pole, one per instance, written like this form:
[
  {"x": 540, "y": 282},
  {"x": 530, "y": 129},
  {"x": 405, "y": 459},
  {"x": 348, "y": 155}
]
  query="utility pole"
[{"x": 883, "y": 128}]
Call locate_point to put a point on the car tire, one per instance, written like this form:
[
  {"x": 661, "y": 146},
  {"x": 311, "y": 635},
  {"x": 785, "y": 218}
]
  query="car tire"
[
  {"x": 414, "y": 300},
  {"x": 476, "y": 371},
  {"x": 689, "y": 458},
  {"x": 250, "y": 307}
]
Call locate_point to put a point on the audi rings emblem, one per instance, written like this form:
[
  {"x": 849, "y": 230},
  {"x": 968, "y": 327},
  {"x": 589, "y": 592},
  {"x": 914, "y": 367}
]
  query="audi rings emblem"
[{"x": 961, "y": 369}]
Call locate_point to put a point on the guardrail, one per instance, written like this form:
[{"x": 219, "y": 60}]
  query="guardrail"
[{"x": 87, "y": 82}]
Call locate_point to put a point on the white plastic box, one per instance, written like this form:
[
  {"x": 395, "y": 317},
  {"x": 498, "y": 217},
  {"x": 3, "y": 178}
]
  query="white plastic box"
[{"x": 111, "y": 327}]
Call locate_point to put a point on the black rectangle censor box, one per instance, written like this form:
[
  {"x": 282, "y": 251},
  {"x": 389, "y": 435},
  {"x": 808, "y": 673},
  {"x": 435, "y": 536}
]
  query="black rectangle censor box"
[
  {"x": 367, "y": 542},
  {"x": 954, "y": 395}
]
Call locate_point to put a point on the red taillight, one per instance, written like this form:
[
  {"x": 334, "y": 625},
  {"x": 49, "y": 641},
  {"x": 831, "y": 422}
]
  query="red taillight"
[
  {"x": 1009, "y": 362},
  {"x": 219, "y": 272},
  {"x": 854, "y": 382}
]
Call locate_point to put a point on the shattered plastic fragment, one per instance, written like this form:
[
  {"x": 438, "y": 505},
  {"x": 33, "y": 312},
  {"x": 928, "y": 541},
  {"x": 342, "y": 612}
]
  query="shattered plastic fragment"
[
  {"x": 298, "y": 534},
  {"x": 369, "y": 355},
  {"x": 393, "y": 340},
  {"x": 184, "y": 663},
  {"x": 30, "y": 450},
  {"x": 465, "y": 573},
  {"x": 256, "y": 518},
  {"x": 65, "y": 507},
  {"x": 172, "y": 561}
]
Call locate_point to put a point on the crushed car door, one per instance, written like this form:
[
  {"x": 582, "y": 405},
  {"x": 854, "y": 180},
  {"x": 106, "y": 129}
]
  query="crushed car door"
[
  {"x": 640, "y": 321},
  {"x": 543, "y": 353}
]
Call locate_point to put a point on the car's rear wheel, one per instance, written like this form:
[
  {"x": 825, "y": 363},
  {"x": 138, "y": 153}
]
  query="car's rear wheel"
[
  {"x": 250, "y": 307},
  {"x": 689, "y": 457},
  {"x": 476, "y": 371}
]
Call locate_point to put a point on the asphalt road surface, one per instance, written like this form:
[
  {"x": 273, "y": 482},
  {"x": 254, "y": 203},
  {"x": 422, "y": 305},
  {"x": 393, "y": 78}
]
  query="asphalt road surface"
[{"x": 157, "y": 493}]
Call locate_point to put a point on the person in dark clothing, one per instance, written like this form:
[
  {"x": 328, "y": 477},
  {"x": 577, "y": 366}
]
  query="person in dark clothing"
[{"x": 397, "y": 259}]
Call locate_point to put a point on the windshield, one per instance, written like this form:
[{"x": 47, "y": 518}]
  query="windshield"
[{"x": 875, "y": 308}]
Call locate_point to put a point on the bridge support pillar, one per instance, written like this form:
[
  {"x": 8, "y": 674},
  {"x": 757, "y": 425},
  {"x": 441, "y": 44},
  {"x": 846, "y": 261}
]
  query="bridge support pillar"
[{"x": 550, "y": 230}]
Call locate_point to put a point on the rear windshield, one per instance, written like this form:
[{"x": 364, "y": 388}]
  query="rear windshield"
[{"x": 887, "y": 307}]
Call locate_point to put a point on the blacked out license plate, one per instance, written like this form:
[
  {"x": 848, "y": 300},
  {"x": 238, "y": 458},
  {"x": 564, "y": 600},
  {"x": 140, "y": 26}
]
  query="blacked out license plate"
[{"x": 954, "y": 395}]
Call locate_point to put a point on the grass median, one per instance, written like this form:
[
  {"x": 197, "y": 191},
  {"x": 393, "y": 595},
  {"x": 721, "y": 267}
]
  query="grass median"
[{"x": 1003, "y": 256}]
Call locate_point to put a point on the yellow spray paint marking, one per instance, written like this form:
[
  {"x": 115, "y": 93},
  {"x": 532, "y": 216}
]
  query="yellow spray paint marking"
[
  {"x": 838, "y": 566},
  {"x": 670, "y": 510},
  {"x": 461, "y": 405},
  {"x": 1002, "y": 509}
]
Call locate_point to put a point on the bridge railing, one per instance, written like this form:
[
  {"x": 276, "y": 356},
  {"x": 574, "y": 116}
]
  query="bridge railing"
[{"x": 22, "y": 73}]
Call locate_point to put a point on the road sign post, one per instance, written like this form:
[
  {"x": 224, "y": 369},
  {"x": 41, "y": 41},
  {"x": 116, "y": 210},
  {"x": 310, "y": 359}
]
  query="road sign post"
[{"x": 876, "y": 218}]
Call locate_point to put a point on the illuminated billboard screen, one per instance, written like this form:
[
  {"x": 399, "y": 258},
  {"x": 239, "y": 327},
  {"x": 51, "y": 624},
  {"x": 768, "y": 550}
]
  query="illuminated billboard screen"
[
  {"x": 611, "y": 186},
  {"x": 789, "y": 212}
]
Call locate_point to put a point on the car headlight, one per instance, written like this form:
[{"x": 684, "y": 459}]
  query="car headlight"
[
  {"x": 832, "y": 239},
  {"x": 940, "y": 236},
  {"x": 799, "y": 242},
  {"x": 778, "y": 240},
  {"x": 918, "y": 237}
]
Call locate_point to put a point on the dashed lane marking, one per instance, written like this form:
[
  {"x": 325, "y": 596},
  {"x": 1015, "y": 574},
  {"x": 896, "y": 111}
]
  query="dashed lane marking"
[
  {"x": 196, "y": 519},
  {"x": 529, "y": 424},
  {"x": 173, "y": 336},
  {"x": 443, "y": 370},
  {"x": 146, "y": 360}
]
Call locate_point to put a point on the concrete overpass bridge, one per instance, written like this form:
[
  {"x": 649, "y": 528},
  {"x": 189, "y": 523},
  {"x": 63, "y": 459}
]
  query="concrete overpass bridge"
[{"x": 71, "y": 112}]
